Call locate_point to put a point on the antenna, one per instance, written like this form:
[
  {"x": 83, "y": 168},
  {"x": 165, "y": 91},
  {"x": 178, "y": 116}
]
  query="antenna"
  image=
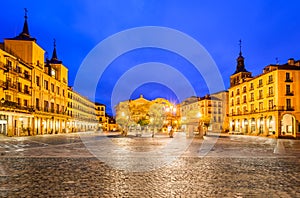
[{"x": 240, "y": 44}]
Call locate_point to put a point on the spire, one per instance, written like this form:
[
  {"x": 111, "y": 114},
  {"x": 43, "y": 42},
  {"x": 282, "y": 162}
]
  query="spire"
[
  {"x": 25, "y": 27},
  {"x": 240, "y": 44},
  {"x": 54, "y": 55},
  {"x": 240, "y": 67},
  {"x": 54, "y": 58},
  {"x": 24, "y": 35}
]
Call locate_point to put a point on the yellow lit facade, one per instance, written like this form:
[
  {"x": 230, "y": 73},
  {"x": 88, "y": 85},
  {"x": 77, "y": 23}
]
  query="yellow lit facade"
[
  {"x": 101, "y": 117},
  {"x": 213, "y": 107},
  {"x": 34, "y": 91},
  {"x": 82, "y": 112},
  {"x": 267, "y": 104},
  {"x": 131, "y": 112}
]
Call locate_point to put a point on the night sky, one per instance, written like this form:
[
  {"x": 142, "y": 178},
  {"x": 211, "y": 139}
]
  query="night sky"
[{"x": 268, "y": 30}]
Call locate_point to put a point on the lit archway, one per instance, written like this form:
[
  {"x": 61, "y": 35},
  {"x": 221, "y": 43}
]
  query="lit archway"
[
  {"x": 288, "y": 122},
  {"x": 252, "y": 125},
  {"x": 271, "y": 125}
]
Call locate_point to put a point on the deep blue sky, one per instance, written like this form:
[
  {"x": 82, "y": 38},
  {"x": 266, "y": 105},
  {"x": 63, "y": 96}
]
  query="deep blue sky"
[{"x": 268, "y": 29}]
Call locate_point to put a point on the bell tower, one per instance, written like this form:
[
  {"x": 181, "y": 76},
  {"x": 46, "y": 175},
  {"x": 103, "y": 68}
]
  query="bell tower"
[{"x": 240, "y": 73}]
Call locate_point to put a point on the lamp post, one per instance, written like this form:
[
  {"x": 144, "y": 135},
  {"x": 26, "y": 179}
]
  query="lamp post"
[
  {"x": 200, "y": 124},
  {"x": 2, "y": 101},
  {"x": 171, "y": 110}
]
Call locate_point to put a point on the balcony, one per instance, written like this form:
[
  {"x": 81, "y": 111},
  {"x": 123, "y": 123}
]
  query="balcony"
[
  {"x": 260, "y": 97},
  {"x": 270, "y": 82},
  {"x": 290, "y": 93},
  {"x": 25, "y": 76},
  {"x": 259, "y": 85},
  {"x": 10, "y": 86},
  {"x": 9, "y": 68},
  {"x": 289, "y": 108},
  {"x": 270, "y": 95},
  {"x": 288, "y": 80},
  {"x": 251, "y": 89},
  {"x": 15, "y": 106}
]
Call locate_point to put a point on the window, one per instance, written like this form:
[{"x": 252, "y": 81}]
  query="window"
[
  {"x": 37, "y": 103},
  {"x": 52, "y": 107},
  {"x": 244, "y": 99},
  {"x": 244, "y": 109},
  {"x": 251, "y": 86},
  {"x": 26, "y": 90},
  {"x": 8, "y": 97},
  {"x": 19, "y": 87},
  {"x": 232, "y": 103},
  {"x": 57, "y": 108},
  {"x": 63, "y": 93},
  {"x": 26, "y": 75},
  {"x": 18, "y": 69},
  {"x": 238, "y": 101},
  {"x": 252, "y": 97},
  {"x": 46, "y": 86},
  {"x": 261, "y": 106},
  {"x": 260, "y": 94},
  {"x": 232, "y": 94},
  {"x": 52, "y": 87},
  {"x": 270, "y": 91},
  {"x": 244, "y": 89},
  {"x": 270, "y": 79},
  {"x": 37, "y": 80},
  {"x": 57, "y": 89},
  {"x": 260, "y": 83},
  {"x": 9, "y": 64},
  {"x": 288, "y": 89},
  {"x": 287, "y": 76},
  {"x": 237, "y": 91},
  {"x": 25, "y": 103},
  {"x": 270, "y": 104},
  {"x": 46, "y": 105},
  {"x": 288, "y": 104},
  {"x": 19, "y": 101}
]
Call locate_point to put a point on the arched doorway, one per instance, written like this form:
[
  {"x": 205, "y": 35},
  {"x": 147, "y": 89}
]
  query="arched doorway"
[
  {"x": 252, "y": 125},
  {"x": 237, "y": 124},
  {"x": 245, "y": 126},
  {"x": 287, "y": 124},
  {"x": 271, "y": 125},
  {"x": 233, "y": 125},
  {"x": 260, "y": 124}
]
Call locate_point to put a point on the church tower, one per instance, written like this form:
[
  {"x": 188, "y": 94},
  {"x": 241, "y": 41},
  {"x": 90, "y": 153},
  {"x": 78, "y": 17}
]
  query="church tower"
[
  {"x": 240, "y": 73},
  {"x": 25, "y": 47}
]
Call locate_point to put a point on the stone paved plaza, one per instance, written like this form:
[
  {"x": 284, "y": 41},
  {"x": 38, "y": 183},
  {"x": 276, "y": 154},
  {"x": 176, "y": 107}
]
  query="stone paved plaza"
[{"x": 109, "y": 165}]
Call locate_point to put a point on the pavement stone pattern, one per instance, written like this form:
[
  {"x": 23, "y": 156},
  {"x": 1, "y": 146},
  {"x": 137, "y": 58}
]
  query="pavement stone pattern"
[{"x": 236, "y": 166}]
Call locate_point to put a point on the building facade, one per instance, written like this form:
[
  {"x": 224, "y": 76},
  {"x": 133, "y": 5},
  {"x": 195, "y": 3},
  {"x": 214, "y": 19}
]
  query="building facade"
[
  {"x": 34, "y": 91},
  {"x": 101, "y": 116},
  {"x": 156, "y": 114},
  {"x": 82, "y": 112},
  {"x": 195, "y": 110},
  {"x": 267, "y": 104}
]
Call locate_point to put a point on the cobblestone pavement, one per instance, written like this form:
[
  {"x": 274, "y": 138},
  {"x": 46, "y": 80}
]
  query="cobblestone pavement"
[{"x": 82, "y": 165}]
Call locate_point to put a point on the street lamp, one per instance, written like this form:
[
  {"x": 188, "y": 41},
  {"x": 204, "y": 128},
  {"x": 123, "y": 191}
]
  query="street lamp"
[
  {"x": 2, "y": 101},
  {"x": 171, "y": 110}
]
